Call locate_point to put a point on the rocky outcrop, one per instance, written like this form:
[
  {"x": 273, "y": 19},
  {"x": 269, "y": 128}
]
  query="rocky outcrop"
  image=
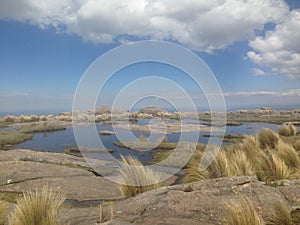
[
  {"x": 24, "y": 170},
  {"x": 152, "y": 110},
  {"x": 200, "y": 202}
]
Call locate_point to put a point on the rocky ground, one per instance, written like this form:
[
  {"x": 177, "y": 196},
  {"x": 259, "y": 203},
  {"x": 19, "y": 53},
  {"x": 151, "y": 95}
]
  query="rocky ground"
[{"x": 196, "y": 203}]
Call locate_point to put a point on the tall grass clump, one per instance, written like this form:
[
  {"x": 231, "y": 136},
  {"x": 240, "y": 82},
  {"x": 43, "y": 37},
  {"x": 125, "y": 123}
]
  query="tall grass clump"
[
  {"x": 219, "y": 166},
  {"x": 37, "y": 208},
  {"x": 272, "y": 168},
  {"x": 3, "y": 208},
  {"x": 267, "y": 139},
  {"x": 137, "y": 178},
  {"x": 287, "y": 130},
  {"x": 281, "y": 214},
  {"x": 297, "y": 145},
  {"x": 242, "y": 212},
  {"x": 240, "y": 164},
  {"x": 289, "y": 155}
]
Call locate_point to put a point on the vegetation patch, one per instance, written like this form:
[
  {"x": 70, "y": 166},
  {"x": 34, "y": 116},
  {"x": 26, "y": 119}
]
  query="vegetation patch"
[
  {"x": 36, "y": 128},
  {"x": 146, "y": 145},
  {"x": 3, "y": 208},
  {"x": 233, "y": 138},
  {"x": 265, "y": 155},
  {"x": 11, "y": 197},
  {"x": 12, "y": 137},
  {"x": 137, "y": 178},
  {"x": 76, "y": 151},
  {"x": 36, "y": 208},
  {"x": 242, "y": 212},
  {"x": 295, "y": 214}
]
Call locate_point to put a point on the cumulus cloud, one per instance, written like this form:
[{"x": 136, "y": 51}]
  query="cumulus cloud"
[
  {"x": 279, "y": 49},
  {"x": 259, "y": 72},
  {"x": 202, "y": 25}
]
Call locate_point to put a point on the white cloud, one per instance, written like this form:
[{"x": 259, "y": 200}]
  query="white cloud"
[
  {"x": 199, "y": 24},
  {"x": 259, "y": 72},
  {"x": 292, "y": 92},
  {"x": 279, "y": 49}
]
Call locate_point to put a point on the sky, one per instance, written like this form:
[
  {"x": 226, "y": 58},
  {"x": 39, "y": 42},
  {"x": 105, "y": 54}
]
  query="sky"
[{"x": 251, "y": 46}]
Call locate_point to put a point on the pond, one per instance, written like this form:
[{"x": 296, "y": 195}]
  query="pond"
[{"x": 58, "y": 140}]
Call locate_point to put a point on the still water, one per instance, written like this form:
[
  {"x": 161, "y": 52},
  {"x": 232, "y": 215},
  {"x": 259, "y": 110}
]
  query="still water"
[{"x": 58, "y": 140}]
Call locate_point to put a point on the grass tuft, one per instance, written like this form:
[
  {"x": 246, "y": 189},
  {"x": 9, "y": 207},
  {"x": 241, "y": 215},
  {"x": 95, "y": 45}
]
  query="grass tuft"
[
  {"x": 137, "y": 178},
  {"x": 267, "y": 139},
  {"x": 287, "y": 130},
  {"x": 281, "y": 214},
  {"x": 37, "y": 208},
  {"x": 297, "y": 145},
  {"x": 219, "y": 166},
  {"x": 272, "y": 168},
  {"x": 242, "y": 213},
  {"x": 240, "y": 164},
  {"x": 288, "y": 154},
  {"x": 3, "y": 208}
]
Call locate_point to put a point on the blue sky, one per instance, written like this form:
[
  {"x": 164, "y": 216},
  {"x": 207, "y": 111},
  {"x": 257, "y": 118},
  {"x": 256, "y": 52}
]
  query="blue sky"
[{"x": 46, "y": 46}]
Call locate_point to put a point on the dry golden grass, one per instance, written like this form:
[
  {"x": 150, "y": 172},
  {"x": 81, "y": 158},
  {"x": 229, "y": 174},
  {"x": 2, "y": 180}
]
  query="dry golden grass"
[
  {"x": 106, "y": 212},
  {"x": 219, "y": 166},
  {"x": 137, "y": 178},
  {"x": 281, "y": 214},
  {"x": 37, "y": 208},
  {"x": 242, "y": 212},
  {"x": 272, "y": 168},
  {"x": 287, "y": 130},
  {"x": 297, "y": 145},
  {"x": 293, "y": 129},
  {"x": 3, "y": 208},
  {"x": 265, "y": 155},
  {"x": 288, "y": 154},
  {"x": 267, "y": 139},
  {"x": 240, "y": 164},
  {"x": 284, "y": 130},
  {"x": 251, "y": 147}
]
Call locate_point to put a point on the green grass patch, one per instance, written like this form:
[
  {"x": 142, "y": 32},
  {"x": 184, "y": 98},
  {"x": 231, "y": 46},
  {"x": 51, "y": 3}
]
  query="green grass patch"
[
  {"x": 146, "y": 145},
  {"x": 160, "y": 155},
  {"x": 11, "y": 197},
  {"x": 76, "y": 151},
  {"x": 5, "y": 124},
  {"x": 235, "y": 117},
  {"x": 25, "y": 133},
  {"x": 12, "y": 137},
  {"x": 37, "y": 128}
]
